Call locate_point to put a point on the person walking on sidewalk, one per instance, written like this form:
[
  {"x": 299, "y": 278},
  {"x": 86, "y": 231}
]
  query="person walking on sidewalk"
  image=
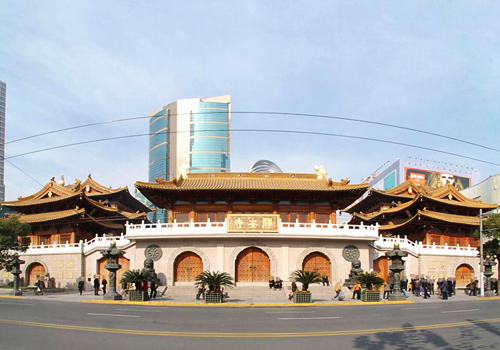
[
  {"x": 104, "y": 284},
  {"x": 40, "y": 287},
  {"x": 80, "y": 286},
  {"x": 337, "y": 289},
  {"x": 200, "y": 288},
  {"x": 96, "y": 286},
  {"x": 356, "y": 291}
]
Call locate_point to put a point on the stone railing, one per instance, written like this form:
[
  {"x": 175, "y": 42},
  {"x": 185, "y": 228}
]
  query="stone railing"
[
  {"x": 418, "y": 248},
  {"x": 291, "y": 229},
  {"x": 80, "y": 247}
]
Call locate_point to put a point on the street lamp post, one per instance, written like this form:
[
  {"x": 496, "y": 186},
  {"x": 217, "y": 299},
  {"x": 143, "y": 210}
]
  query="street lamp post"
[
  {"x": 16, "y": 271},
  {"x": 112, "y": 254},
  {"x": 481, "y": 265}
]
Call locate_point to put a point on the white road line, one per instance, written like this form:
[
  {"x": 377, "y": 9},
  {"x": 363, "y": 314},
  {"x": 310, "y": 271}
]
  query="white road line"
[
  {"x": 16, "y": 304},
  {"x": 290, "y": 312},
  {"x": 114, "y": 315},
  {"x": 422, "y": 308},
  {"x": 142, "y": 310},
  {"x": 449, "y": 312},
  {"x": 307, "y": 318}
]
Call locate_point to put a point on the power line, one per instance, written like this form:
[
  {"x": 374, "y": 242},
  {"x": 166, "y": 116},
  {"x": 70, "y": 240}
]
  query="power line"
[
  {"x": 268, "y": 113},
  {"x": 264, "y": 130}
]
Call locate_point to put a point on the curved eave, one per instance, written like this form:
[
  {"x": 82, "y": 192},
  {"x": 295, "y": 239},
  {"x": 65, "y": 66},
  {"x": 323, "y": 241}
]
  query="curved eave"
[
  {"x": 374, "y": 197},
  {"x": 106, "y": 223},
  {"x": 37, "y": 202},
  {"x": 125, "y": 197},
  {"x": 467, "y": 203},
  {"x": 468, "y": 221},
  {"x": 51, "y": 217}
]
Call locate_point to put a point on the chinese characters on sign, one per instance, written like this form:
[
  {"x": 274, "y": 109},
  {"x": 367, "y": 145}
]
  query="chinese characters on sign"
[{"x": 252, "y": 223}]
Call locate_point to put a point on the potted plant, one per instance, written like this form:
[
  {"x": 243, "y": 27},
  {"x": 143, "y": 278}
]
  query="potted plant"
[
  {"x": 138, "y": 277},
  {"x": 306, "y": 278},
  {"x": 215, "y": 281},
  {"x": 371, "y": 283}
]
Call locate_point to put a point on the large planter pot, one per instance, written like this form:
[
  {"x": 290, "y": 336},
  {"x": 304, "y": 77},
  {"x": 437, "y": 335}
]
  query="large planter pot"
[
  {"x": 137, "y": 295},
  {"x": 299, "y": 297},
  {"x": 370, "y": 295},
  {"x": 214, "y": 297}
]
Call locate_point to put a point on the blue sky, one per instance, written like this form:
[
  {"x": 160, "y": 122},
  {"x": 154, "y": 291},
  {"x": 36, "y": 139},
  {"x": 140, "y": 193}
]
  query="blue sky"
[{"x": 429, "y": 65}]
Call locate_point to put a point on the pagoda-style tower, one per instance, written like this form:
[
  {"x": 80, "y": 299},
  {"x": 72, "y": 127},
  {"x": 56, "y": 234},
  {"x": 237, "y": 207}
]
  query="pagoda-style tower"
[
  {"x": 60, "y": 213},
  {"x": 440, "y": 216}
]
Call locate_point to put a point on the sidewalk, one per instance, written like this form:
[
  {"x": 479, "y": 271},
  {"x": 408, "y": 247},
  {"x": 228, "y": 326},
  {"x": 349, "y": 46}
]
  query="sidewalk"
[{"x": 238, "y": 297}]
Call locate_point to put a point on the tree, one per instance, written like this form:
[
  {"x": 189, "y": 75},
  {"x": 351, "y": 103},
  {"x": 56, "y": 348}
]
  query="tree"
[
  {"x": 137, "y": 277},
  {"x": 306, "y": 278},
  {"x": 215, "y": 280},
  {"x": 370, "y": 279},
  {"x": 491, "y": 231},
  {"x": 13, "y": 240}
]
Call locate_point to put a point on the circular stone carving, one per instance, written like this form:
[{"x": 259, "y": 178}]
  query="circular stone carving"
[
  {"x": 153, "y": 252},
  {"x": 350, "y": 253}
]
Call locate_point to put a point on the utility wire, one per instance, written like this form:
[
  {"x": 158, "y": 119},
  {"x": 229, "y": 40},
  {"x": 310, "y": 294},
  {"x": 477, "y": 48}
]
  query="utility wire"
[
  {"x": 263, "y": 130},
  {"x": 267, "y": 113},
  {"x": 24, "y": 172}
]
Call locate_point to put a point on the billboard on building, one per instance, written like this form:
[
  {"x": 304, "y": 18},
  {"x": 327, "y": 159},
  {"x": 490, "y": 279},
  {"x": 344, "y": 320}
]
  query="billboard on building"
[{"x": 436, "y": 179}]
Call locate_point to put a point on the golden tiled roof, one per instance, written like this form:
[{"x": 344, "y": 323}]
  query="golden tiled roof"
[
  {"x": 251, "y": 181},
  {"x": 31, "y": 200},
  {"x": 50, "y": 216},
  {"x": 436, "y": 216}
]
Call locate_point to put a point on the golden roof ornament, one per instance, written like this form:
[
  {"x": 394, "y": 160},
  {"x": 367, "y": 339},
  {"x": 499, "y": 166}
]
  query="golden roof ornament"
[
  {"x": 87, "y": 188},
  {"x": 49, "y": 194},
  {"x": 320, "y": 172},
  {"x": 183, "y": 171},
  {"x": 61, "y": 181},
  {"x": 410, "y": 190}
]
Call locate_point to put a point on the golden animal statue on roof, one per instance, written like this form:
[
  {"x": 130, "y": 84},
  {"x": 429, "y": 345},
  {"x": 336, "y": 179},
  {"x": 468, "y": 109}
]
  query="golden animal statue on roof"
[
  {"x": 183, "y": 171},
  {"x": 320, "y": 172}
]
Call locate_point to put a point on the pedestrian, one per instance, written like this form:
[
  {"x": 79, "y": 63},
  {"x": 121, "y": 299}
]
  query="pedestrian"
[
  {"x": 278, "y": 285},
  {"x": 404, "y": 286},
  {"x": 444, "y": 290},
  {"x": 337, "y": 289},
  {"x": 80, "y": 286},
  {"x": 96, "y": 286},
  {"x": 153, "y": 286},
  {"x": 356, "y": 291},
  {"x": 294, "y": 287},
  {"x": 271, "y": 282},
  {"x": 104, "y": 284},
  {"x": 387, "y": 291},
  {"x": 200, "y": 289},
  {"x": 40, "y": 286},
  {"x": 325, "y": 281}
]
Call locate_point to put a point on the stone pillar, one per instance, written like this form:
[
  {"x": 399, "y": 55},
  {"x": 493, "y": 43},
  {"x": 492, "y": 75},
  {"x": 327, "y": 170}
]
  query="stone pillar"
[
  {"x": 16, "y": 271},
  {"x": 112, "y": 254},
  {"x": 397, "y": 265},
  {"x": 488, "y": 272}
]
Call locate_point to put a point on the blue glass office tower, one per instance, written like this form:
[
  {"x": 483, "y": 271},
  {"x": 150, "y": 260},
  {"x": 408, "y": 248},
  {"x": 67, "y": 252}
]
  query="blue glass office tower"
[{"x": 193, "y": 132}]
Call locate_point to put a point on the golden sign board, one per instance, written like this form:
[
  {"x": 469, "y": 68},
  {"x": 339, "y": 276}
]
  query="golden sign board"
[{"x": 252, "y": 222}]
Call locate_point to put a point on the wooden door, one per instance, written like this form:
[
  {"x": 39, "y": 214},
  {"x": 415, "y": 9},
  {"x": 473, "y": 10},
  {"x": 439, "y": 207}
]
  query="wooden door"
[
  {"x": 103, "y": 273},
  {"x": 463, "y": 276},
  {"x": 253, "y": 265},
  {"x": 187, "y": 266},
  {"x": 381, "y": 267},
  {"x": 318, "y": 263},
  {"x": 36, "y": 271}
]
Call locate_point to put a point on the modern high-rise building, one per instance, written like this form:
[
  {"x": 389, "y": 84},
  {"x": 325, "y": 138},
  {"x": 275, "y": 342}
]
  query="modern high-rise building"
[
  {"x": 191, "y": 133},
  {"x": 3, "y": 96}
]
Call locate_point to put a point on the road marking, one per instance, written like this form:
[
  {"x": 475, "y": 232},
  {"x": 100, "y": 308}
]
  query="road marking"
[
  {"x": 331, "y": 333},
  {"x": 306, "y": 318},
  {"x": 142, "y": 310},
  {"x": 114, "y": 315},
  {"x": 449, "y": 312},
  {"x": 422, "y": 308},
  {"x": 16, "y": 304},
  {"x": 290, "y": 312}
]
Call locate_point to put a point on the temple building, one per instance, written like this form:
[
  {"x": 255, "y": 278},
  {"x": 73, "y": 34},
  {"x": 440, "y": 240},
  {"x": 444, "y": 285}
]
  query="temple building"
[
  {"x": 431, "y": 217},
  {"x": 69, "y": 215},
  {"x": 253, "y": 226}
]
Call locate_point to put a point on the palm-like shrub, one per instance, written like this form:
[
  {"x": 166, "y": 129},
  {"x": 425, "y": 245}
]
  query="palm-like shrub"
[
  {"x": 370, "y": 280},
  {"x": 138, "y": 277},
  {"x": 215, "y": 280},
  {"x": 306, "y": 278}
]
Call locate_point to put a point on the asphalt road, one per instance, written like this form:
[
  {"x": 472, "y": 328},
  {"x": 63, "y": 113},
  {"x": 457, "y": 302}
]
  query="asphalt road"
[{"x": 44, "y": 324}]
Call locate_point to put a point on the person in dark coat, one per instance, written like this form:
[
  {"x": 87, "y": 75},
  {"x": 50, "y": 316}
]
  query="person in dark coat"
[
  {"x": 96, "y": 286},
  {"x": 444, "y": 290},
  {"x": 80, "y": 286},
  {"x": 153, "y": 286},
  {"x": 104, "y": 284}
]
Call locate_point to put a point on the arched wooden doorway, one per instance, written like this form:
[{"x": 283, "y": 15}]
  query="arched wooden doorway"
[
  {"x": 103, "y": 273},
  {"x": 463, "y": 275},
  {"x": 381, "y": 267},
  {"x": 317, "y": 262},
  {"x": 187, "y": 266},
  {"x": 252, "y": 265},
  {"x": 36, "y": 271}
]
